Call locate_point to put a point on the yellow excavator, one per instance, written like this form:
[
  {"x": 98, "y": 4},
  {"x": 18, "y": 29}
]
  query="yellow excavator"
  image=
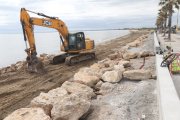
[{"x": 77, "y": 48}]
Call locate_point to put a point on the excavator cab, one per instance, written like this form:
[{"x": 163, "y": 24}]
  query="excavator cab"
[{"x": 76, "y": 41}]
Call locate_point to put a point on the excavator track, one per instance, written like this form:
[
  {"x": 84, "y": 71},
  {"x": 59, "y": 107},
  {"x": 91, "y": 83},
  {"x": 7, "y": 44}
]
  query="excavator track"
[
  {"x": 74, "y": 59},
  {"x": 59, "y": 59}
]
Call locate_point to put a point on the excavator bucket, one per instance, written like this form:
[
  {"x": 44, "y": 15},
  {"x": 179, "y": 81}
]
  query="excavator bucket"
[{"x": 35, "y": 65}]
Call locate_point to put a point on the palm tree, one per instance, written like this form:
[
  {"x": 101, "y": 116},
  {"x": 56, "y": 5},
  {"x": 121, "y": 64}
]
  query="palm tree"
[
  {"x": 170, "y": 4},
  {"x": 164, "y": 13},
  {"x": 159, "y": 22}
]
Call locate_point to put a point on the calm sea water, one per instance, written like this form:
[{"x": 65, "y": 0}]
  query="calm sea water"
[{"x": 12, "y": 46}]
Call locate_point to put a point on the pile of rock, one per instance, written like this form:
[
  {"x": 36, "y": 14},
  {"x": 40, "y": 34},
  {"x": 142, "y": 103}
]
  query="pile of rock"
[
  {"x": 72, "y": 100},
  {"x": 68, "y": 102},
  {"x": 45, "y": 58},
  {"x": 13, "y": 68}
]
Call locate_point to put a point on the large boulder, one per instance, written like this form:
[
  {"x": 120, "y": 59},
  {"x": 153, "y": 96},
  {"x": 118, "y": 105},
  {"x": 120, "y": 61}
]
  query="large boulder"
[
  {"x": 130, "y": 55},
  {"x": 74, "y": 87},
  {"x": 28, "y": 114},
  {"x": 112, "y": 76},
  {"x": 46, "y": 100},
  {"x": 137, "y": 74},
  {"x": 86, "y": 79},
  {"x": 88, "y": 76},
  {"x": 71, "y": 107}
]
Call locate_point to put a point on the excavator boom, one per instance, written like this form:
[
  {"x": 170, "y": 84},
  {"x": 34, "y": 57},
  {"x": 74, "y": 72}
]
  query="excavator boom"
[{"x": 72, "y": 44}]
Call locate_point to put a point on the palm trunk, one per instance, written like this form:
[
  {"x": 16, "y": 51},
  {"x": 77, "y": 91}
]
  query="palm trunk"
[
  {"x": 169, "y": 22},
  {"x": 165, "y": 26}
]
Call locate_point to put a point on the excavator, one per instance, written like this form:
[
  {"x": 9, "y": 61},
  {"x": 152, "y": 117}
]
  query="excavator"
[{"x": 75, "y": 46}]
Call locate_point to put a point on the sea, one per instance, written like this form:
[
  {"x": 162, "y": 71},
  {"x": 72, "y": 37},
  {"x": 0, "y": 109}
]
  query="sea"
[{"x": 12, "y": 46}]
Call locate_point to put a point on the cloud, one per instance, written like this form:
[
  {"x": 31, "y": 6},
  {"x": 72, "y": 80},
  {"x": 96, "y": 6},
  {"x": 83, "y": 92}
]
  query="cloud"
[{"x": 84, "y": 13}]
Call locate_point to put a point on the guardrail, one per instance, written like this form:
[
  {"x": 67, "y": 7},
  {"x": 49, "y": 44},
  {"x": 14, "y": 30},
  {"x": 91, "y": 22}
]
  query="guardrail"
[{"x": 169, "y": 103}]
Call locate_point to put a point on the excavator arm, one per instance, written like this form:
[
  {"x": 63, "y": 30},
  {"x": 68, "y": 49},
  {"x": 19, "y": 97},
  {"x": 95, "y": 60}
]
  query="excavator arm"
[
  {"x": 50, "y": 22},
  {"x": 28, "y": 32},
  {"x": 76, "y": 47}
]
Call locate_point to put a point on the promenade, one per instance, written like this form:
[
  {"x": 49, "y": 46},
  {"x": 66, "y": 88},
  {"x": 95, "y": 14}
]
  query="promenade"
[{"x": 175, "y": 45}]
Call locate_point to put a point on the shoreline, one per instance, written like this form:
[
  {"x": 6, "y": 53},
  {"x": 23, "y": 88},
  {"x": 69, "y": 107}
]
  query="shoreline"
[
  {"x": 20, "y": 55},
  {"x": 24, "y": 86}
]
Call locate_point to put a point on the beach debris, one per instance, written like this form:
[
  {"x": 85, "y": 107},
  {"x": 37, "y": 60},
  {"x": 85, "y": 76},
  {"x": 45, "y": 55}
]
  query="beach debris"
[
  {"x": 28, "y": 114},
  {"x": 140, "y": 74}
]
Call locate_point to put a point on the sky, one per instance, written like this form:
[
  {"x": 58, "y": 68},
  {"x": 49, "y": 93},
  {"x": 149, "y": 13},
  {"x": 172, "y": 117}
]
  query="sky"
[{"x": 82, "y": 14}]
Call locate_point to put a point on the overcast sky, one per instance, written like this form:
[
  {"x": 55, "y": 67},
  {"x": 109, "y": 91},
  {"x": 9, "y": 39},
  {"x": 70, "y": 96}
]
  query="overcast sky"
[{"x": 83, "y": 14}]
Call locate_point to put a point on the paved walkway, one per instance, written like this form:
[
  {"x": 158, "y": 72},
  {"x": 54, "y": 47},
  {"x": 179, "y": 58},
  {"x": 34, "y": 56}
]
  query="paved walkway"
[{"x": 175, "y": 44}]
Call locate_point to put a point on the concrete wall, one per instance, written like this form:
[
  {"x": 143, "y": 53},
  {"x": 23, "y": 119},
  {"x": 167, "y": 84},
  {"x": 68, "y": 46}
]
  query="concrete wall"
[{"x": 169, "y": 103}]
